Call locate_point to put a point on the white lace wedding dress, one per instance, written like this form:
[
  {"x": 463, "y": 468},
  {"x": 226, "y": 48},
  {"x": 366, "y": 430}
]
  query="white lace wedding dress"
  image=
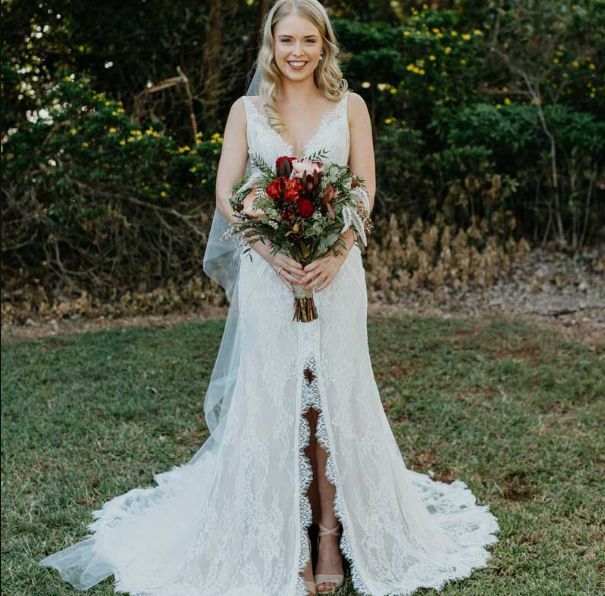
[{"x": 234, "y": 521}]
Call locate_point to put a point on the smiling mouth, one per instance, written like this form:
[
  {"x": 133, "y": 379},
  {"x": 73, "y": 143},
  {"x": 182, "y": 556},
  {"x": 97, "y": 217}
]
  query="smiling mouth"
[{"x": 297, "y": 64}]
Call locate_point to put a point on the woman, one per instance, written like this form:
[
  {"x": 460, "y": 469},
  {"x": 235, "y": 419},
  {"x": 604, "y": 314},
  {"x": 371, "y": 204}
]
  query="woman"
[{"x": 293, "y": 408}]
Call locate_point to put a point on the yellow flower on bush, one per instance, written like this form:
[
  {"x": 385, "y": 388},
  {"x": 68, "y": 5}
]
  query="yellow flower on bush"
[
  {"x": 366, "y": 84},
  {"x": 112, "y": 130},
  {"x": 448, "y": 50},
  {"x": 478, "y": 32},
  {"x": 466, "y": 36},
  {"x": 163, "y": 194},
  {"x": 85, "y": 144},
  {"x": 507, "y": 101},
  {"x": 432, "y": 57},
  {"x": 183, "y": 149},
  {"x": 193, "y": 169}
]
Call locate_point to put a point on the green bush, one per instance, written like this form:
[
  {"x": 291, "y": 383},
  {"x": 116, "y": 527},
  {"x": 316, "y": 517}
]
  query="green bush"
[{"x": 92, "y": 196}]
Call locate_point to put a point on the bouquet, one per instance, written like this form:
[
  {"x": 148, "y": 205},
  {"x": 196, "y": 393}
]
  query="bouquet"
[{"x": 301, "y": 208}]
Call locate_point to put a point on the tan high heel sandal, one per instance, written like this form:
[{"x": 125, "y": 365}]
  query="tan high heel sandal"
[{"x": 323, "y": 578}]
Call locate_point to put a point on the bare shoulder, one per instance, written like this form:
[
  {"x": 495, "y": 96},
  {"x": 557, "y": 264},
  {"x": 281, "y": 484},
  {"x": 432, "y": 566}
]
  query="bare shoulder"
[
  {"x": 237, "y": 113},
  {"x": 237, "y": 107},
  {"x": 357, "y": 107},
  {"x": 357, "y": 103}
]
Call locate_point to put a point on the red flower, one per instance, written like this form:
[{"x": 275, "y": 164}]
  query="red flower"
[
  {"x": 285, "y": 214},
  {"x": 304, "y": 207},
  {"x": 293, "y": 189},
  {"x": 276, "y": 188}
]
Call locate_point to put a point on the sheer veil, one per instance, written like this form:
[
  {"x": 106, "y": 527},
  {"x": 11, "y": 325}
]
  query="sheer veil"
[{"x": 221, "y": 263}]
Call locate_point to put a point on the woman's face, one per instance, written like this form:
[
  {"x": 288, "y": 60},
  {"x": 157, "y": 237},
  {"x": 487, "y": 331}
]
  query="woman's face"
[{"x": 298, "y": 46}]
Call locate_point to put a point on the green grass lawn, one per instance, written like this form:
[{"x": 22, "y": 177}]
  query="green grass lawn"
[{"x": 513, "y": 410}]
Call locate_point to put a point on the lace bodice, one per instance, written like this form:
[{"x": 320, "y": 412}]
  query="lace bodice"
[{"x": 332, "y": 134}]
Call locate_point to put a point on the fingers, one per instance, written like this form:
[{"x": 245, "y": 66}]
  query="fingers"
[
  {"x": 289, "y": 277},
  {"x": 289, "y": 262},
  {"x": 319, "y": 281},
  {"x": 310, "y": 276},
  {"x": 323, "y": 286}
]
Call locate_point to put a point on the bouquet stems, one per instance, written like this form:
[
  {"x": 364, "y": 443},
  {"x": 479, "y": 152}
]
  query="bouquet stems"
[{"x": 304, "y": 305}]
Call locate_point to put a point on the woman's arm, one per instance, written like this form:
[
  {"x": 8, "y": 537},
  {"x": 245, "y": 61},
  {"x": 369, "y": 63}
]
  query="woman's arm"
[
  {"x": 234, "y": 153},
  {"x": 361, "y": 155},
  {"x": 231, "y": 168}
]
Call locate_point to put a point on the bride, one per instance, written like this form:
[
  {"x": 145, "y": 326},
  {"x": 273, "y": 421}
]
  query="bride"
[{"x": 298, "y": 433}]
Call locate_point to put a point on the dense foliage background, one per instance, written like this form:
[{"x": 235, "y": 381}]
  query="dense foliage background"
[{"x": 489, "y": 122}]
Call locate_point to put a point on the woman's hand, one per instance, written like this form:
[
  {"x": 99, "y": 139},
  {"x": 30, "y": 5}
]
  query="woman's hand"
[
  {"x": 247, "y": 208},
  {"x": 319, "y": 273},
  {"x": 288, "y": 269}
]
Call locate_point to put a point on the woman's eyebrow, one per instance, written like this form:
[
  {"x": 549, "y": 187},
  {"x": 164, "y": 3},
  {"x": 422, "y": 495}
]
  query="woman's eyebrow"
[{"x": 288, "y": 35}]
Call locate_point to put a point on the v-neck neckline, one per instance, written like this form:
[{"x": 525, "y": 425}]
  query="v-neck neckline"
[{"x": 322, "y": 122}]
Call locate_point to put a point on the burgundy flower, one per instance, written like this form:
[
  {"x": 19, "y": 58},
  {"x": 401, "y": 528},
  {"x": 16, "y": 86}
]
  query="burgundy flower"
[
  {"x": 304, "y": 207},
  {"x": 310, "y": 181},
  {"x": 283, "y": 165}
]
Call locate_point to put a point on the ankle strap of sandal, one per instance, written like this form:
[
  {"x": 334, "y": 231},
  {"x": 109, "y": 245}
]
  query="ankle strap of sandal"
[{"x": 323, "y": 531}]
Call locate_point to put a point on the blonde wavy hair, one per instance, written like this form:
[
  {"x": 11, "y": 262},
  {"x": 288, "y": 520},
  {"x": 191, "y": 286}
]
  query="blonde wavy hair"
[{"x": 327, "y": 75}]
